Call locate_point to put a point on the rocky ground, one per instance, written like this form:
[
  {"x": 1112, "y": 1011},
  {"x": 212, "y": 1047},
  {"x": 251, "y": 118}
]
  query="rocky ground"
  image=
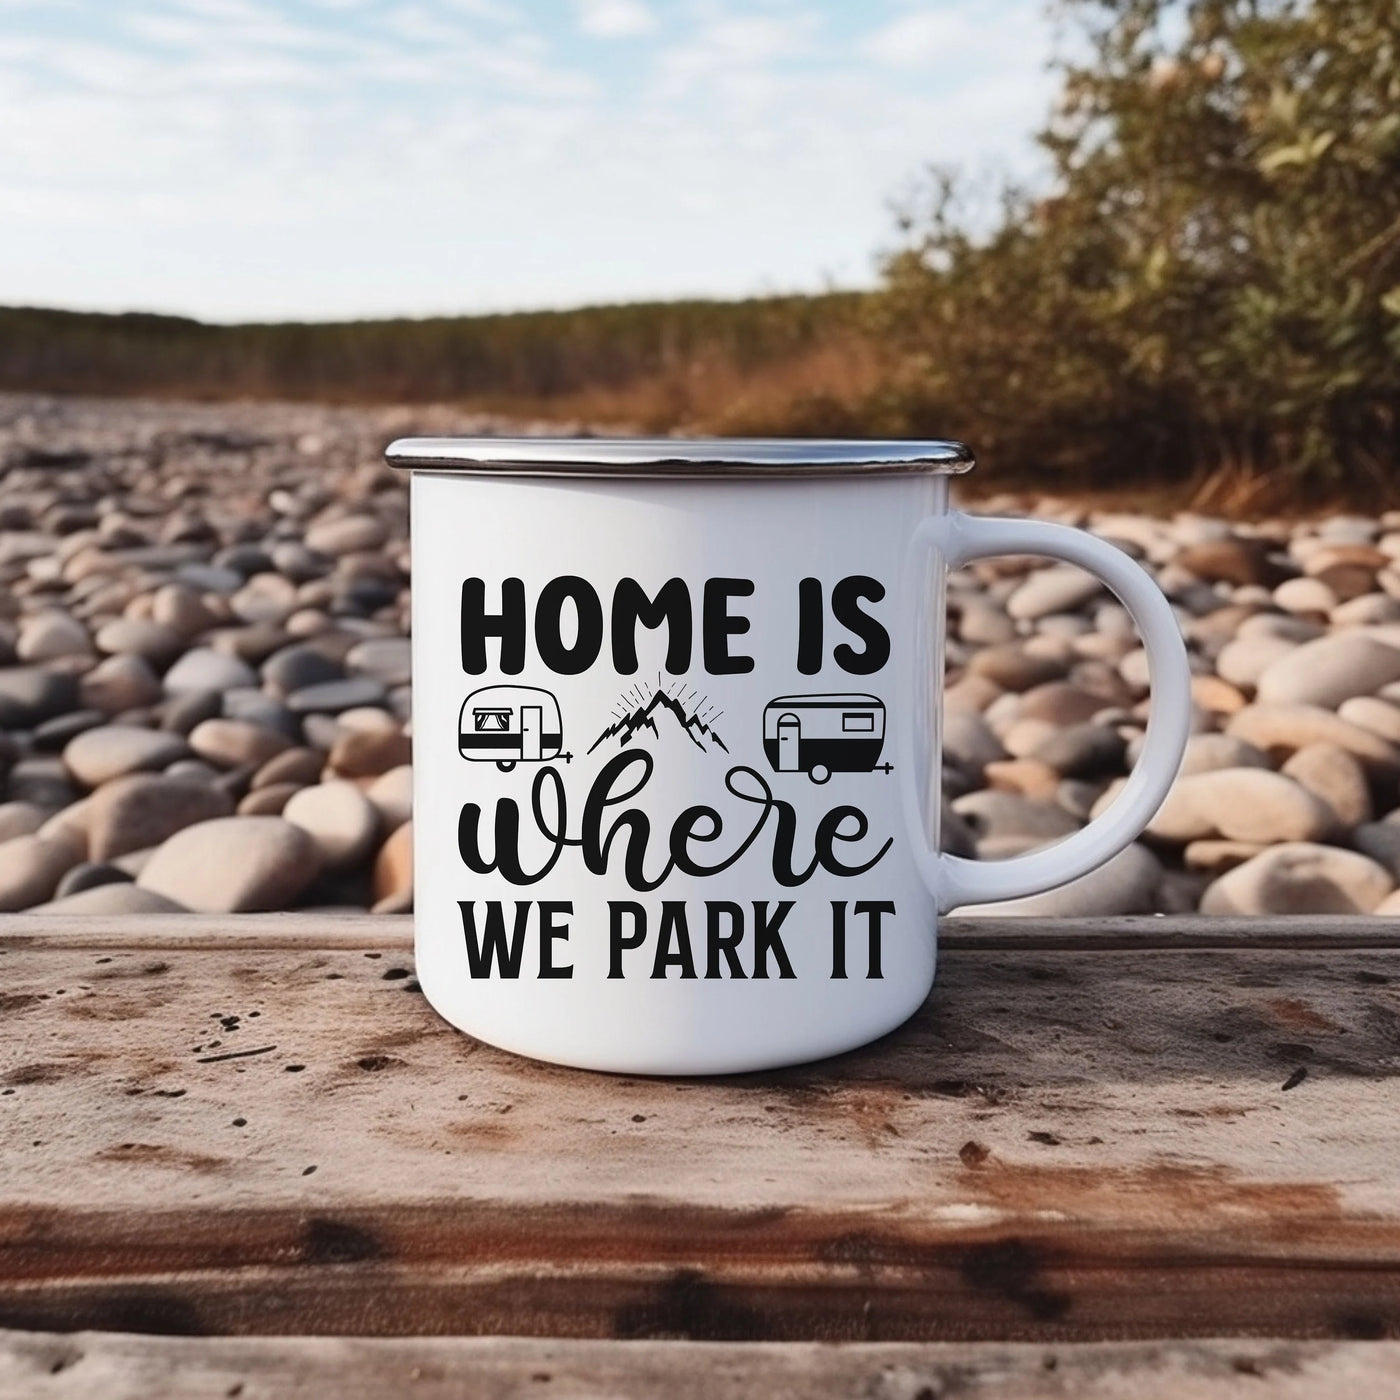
[{"x": 204, "y": 681}]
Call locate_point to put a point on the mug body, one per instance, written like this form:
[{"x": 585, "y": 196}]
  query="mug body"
[{"x": 674, "y": 742}]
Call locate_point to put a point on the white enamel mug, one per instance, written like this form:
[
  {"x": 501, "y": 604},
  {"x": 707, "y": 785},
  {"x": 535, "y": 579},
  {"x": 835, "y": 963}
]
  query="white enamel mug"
[{"x": 677, "y": 741}]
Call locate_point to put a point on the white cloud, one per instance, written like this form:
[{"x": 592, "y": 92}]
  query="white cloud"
[
  {"x": 920, "y": 38},
  {"x": 256, "y": 158},
  {"x": 615, "y": 19}
]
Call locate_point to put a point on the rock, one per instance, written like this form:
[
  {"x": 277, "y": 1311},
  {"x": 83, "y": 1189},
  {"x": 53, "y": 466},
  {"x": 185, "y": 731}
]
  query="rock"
[
  {"x": 20, "y": 819},
  {"x": 207, "y": 669},
  {"x": 1306, "y": 596},
  {"x": 387, "y": 659},
  {"x": 1027, "y": 776},
  {"x": 1024, "y": 737},
  {"x": 52, "y": 634},
  {"x": 182, "y": 712},
  {"x": 1241, "y": 662},
  {"x": 979, "y": 622},
  {"x": 391, "y": 795},
  {"x": 180, "y": 608},
  {"x": 29, "y": 695},
  {"x": 1330, "y": 670},
  {"x": 1380, "y": 841},
  {"x": 42, "y": 781},
  {"x": 1059, "y": 588},
  {"x": 233, "y": 743},
  {"x": 393, "y": 871},
  {"x": 30, "y": 869},
  {"x": 269, "y": 800},
  {"x": 1082, "y": 751},
  {"x": 1216, "y": 856},
  {"x": 89, "y": 876},
  {"x": 300, "y": 766},
  {"x": 143, "y": 810},
  {"x": 368, "y": 753},
  {"x": 1336, "y": 777},
  {"x": 348, "y": 535},
  {"x": 1229, "y": 561},
  {"x": 112, "y": 750},
  {"x": 254, "y": 707},
  {"x": 1300, "y": 878},
  {"x": 233, "y": 865},
  {"x": 332, "y": 696},
  {"x": 1013, "y": 668},
  {"x": 1379, "y": 716},
  {"x": 1241, "y": 804},
  {"x": 1369, "y": 610},
  {"x": 967, "y": 739},
  {"x": 1216, "y": 695},
  {"x": 113, "y": 899},
  {"x": 972, "y": 693},
  {"x": 120, "y": 683},
  {"x": 1283, "y": 729},
  {"x": 1125, "y": 884},
  {"x": 53, "y": 735},
  {"x": 152, "y": 640},
  {"x": 296, "y": 667},
  {"x": 1001, "y": 814},
  {"x": 339, "y": 818},
  {"x": 1059, "y": 702}
]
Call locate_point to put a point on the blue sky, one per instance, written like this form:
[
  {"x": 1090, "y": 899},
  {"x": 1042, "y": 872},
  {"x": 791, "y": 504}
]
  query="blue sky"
[{"x": 240, "y": 159}]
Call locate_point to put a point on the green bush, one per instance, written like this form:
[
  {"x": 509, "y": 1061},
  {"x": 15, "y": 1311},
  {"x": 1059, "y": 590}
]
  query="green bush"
[{"x": 1213, "y": 282}]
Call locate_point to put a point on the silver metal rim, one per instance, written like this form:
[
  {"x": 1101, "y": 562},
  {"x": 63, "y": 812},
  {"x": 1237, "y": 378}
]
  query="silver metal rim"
[{"x": 677, "y": 459}]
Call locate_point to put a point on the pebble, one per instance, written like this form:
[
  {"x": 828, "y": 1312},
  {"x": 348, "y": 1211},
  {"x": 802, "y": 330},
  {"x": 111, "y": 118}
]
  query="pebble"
[
  {"x": 339, "y": 818},
  {"x": 141, "y": 637},
  {"x": 1060, "y": 588},
  {"x": 348, "y": 535},
  {"x": 50, "y": 635},
  {"x": 1329, "y": 670},
  {"x": 142, "y": 810},
  {"x": 1300, "y": 878},
  {"x": 233, "y": 743},
  {"x": 207, "y": 669},
  {"x": 20, "y": 819},
  {"x": 1241, "y": 804},
  {"x": 113, "y": 899},
  {"x": 1330, "y": 773},
  {"x": 1125, "y": 884},
  {"x": 296, "y": 667},
  {"x": 112, "y": 750},
  {"x": 329, "y": 697},
  {"x": 120, "y": 683},
  {"x": 391, "y": 794},
  {"x": 1284, "y": 729},
  {"x": 233, "y": 865},
  {"x": 299, "y": 766},
  {"x": 967, "y": 739},
  {"x": 30, "y": 695},
  {"x": 393, "y": 873},
  {"x": 31, "y": 867},
  {"x": 251, "y": 643}
]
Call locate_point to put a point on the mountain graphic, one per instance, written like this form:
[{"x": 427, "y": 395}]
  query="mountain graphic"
[{"x": 644, "y": 716}]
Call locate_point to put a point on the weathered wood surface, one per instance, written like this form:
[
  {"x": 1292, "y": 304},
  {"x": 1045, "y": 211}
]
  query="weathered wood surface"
[
  {"x": 50, "y": 1367},
  {"x": 1076, "y": 1138}
]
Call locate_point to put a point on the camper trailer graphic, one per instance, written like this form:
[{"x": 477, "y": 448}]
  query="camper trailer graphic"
[
  {"x": 510, "y": 724},
  {"x": 824, "y": 734}
]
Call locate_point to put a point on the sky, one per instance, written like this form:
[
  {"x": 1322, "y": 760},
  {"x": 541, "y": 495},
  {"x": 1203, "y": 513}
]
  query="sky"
[{"x": 317, "y": 159}]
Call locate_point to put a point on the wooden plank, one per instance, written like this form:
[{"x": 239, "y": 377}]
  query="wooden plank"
[
  {"x": 1060, "y": 1145},
  {"x": 395, "y": 931},
  {"x": 35, "y": 1366}
]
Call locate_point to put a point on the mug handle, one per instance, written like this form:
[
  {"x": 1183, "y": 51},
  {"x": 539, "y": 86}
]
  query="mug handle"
[{"x": 954, "y": 880}]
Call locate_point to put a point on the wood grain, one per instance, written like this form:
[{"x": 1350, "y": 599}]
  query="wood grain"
[
  {"x": 1065, "y": 1143},
  {"x": 50, "y": 1367}
]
